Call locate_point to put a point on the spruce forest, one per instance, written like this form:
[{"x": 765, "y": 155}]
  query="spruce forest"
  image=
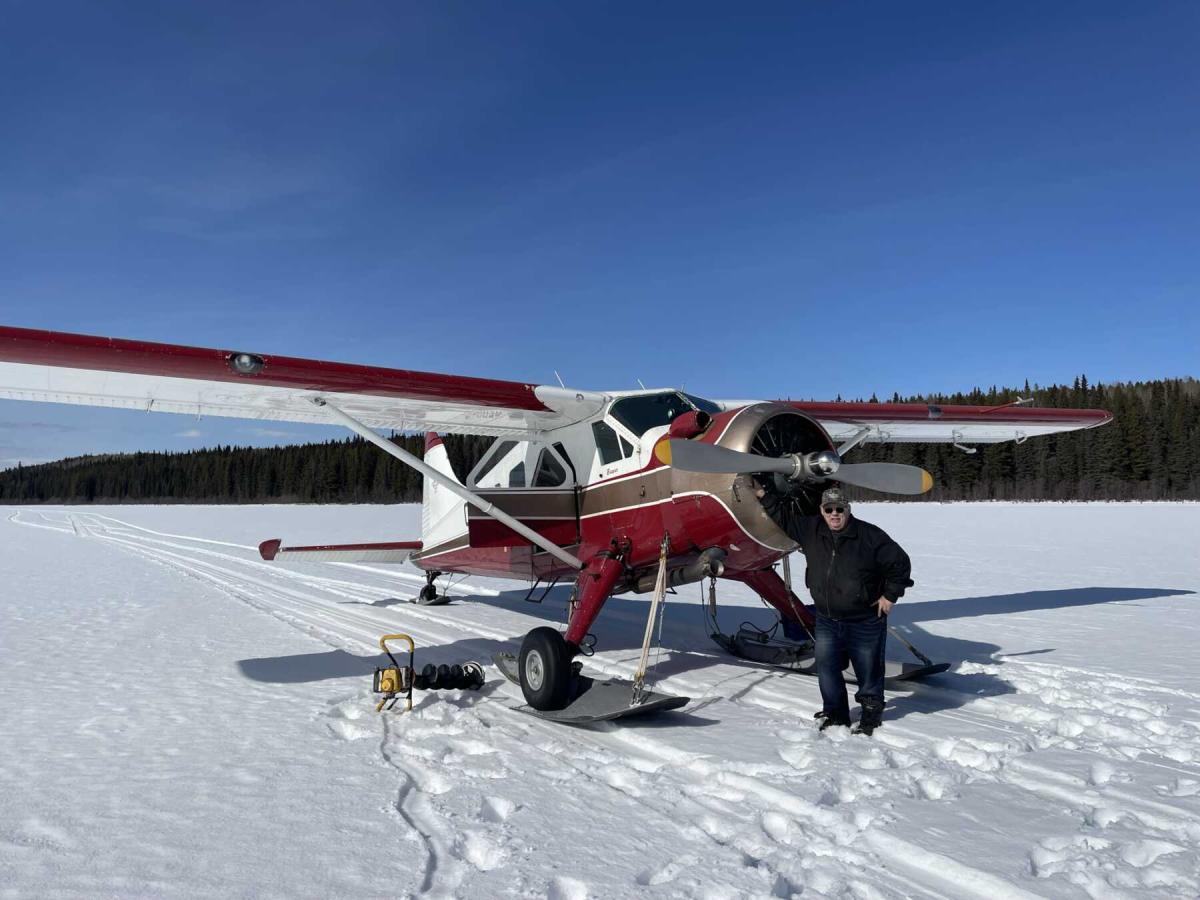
[{"x": 1150, "y": 451}]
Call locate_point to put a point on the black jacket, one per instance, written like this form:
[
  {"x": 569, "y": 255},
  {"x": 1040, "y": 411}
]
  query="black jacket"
[{"x": 849, "y": 570}]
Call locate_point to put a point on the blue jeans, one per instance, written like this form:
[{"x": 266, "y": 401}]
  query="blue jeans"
[{"x": 861, "y": 644}]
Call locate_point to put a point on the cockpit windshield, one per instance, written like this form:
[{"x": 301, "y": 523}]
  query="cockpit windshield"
[
  {"x": 703, "y": 405},
  {"x": 641, "y": 413}
]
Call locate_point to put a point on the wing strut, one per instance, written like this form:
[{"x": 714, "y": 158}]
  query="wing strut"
[{"x": 449, "y": 484}]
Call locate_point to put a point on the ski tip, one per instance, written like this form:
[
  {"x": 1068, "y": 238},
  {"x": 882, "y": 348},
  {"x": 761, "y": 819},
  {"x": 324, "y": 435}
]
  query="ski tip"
[{"x": 268, "y": 549}]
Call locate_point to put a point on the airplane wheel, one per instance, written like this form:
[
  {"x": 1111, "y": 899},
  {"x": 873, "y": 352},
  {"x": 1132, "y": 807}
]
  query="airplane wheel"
[
  {"x": 544, "y": 668},
  {"x": 428, "y": 594}
]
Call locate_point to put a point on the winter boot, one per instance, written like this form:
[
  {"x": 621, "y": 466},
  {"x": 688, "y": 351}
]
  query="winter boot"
[
  {"x": 871, "y": 718},
  {"x": 828, "y": 720}
]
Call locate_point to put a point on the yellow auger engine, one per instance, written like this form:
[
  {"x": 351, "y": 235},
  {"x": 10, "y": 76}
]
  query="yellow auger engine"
[{"x": 396, "y": 680}]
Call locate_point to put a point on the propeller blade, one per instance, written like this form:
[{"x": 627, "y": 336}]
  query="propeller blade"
[
  {"x": 693, "y": 456},
  {"x": 888, "y": 478}
]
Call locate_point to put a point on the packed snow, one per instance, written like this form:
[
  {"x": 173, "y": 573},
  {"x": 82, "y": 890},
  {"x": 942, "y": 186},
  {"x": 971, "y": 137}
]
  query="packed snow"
[{"x": 182, "y": 719}]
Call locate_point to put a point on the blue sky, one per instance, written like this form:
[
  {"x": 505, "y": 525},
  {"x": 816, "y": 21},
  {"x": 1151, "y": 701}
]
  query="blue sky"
[{"x": 804, "y": 200}]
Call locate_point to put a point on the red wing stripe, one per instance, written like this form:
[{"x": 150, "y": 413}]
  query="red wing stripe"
[
  {"x": 80, "y": 351},
  {"x": 922, "y": 412},
  {"x": 270, "y": 549}
]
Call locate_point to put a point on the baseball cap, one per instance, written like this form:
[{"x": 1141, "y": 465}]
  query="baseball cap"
[{"x": 834, "y": 496}]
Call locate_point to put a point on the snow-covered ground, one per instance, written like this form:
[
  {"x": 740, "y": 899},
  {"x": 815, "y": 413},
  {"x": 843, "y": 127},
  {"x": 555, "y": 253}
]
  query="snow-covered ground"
[{"x": 180, "y": 719}]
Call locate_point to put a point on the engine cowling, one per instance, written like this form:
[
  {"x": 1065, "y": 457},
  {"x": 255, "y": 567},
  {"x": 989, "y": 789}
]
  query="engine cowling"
[{"x": 768, "y": 429}]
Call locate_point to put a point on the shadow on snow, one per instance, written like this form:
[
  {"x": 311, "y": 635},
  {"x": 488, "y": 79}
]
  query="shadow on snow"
[{"x": 689, "y": 647}]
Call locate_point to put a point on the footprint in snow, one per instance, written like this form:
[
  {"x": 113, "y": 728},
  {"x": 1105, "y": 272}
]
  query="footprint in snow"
[
  {"x": 1144, "y": 853},
  {"x": 471, "y": 747},
  {"x": 1099, "y": 865},
  {"x": 777, "y": 826},
  {"x": 982, "y": 756},
  {"x": 350, "y": 731},
  {"x": 496, "y": 809},
  {"x": 796, "y": 757},
  {"x": 667, "y": 873},
  {"x": 564, "y": 888},
  {"x": 1181, "y": 787},
  {"x": 480, "y": 852},
  {"x": 428, "y": 780},
  {"x": 622, "y": 779},
  {"x": 36, "y": 833}
]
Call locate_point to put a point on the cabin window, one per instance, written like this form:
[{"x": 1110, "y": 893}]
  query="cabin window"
[
  {"x": 549, "y": 472},
  {"x": 493, "y": 457},
  {"x": 562, "y": 452},
  {"x": 607, "y": 444},
  {"x": 516, "y": 478}
]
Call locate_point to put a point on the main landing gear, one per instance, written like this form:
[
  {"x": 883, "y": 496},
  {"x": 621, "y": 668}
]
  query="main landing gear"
[
  {"x": 553, "y": 683},
  {"x": 545, "y": 669}
]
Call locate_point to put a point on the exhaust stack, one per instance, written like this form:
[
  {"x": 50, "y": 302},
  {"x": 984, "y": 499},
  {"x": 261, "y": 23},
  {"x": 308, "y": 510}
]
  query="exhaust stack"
[{"x": 710, "y": 564}]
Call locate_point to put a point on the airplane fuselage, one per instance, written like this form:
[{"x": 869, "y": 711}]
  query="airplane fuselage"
[{"x": 630, "y": 504}]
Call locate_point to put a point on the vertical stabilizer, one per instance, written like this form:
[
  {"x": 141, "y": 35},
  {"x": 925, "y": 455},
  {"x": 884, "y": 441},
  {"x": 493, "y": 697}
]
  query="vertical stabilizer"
[{"x": 443, "y": 514}]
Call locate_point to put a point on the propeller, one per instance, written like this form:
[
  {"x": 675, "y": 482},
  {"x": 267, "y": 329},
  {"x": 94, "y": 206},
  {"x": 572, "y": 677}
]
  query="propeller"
[{"x": 888, "y": 478}]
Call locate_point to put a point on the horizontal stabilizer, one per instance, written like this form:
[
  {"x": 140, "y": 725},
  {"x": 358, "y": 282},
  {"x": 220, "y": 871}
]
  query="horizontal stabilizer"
[{"x": 392, "y": 552}]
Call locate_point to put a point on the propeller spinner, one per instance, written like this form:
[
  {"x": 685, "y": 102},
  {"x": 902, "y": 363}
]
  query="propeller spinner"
[{"x": 888, "y": 478}]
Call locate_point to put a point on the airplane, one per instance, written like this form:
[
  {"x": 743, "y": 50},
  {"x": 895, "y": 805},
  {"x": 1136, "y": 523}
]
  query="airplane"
[{"x": 617, "y": 491}]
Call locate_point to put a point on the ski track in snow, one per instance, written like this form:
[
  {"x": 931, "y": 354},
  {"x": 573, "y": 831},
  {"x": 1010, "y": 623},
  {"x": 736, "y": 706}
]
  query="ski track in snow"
[{"x": 758, "y": 802}]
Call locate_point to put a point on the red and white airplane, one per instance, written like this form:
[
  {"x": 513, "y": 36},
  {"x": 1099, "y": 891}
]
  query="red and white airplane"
[{"x": 584, "y": 485}]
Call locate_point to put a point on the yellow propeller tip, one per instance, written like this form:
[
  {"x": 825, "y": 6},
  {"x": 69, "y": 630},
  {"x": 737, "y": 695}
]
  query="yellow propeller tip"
[
  {"x": 926, "y": 481},
  {"x": 662, "y": 452}
]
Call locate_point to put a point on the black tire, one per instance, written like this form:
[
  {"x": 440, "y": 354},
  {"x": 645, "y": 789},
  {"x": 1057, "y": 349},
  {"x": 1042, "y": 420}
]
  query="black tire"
[{"x": 544, "y": 668}]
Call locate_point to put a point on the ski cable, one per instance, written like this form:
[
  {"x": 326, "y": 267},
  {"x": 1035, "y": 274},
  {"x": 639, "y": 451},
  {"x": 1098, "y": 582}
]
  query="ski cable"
[{"x": 657, "y": 604}]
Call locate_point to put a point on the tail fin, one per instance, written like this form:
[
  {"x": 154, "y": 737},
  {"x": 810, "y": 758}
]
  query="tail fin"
[{"x": 442, "y": 515}]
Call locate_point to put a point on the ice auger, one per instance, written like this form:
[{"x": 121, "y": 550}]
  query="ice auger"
[{"x": 396, "y": 680}]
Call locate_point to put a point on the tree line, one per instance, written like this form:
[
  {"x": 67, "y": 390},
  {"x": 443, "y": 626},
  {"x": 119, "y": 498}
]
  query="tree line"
[
  {"x": 345, "y": 471},
  {"x": 1150, "y": 451}
]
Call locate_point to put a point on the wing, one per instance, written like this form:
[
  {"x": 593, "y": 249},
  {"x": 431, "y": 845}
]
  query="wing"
[
  {"x": 392, "y": 552},
  {"x": 930, "y": 423},
  {"x": 73, "y": 368}
]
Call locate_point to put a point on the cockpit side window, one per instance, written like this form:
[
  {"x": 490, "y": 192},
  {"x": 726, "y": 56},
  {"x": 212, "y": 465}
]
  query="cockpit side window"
[{"x": 606, "y": 443}]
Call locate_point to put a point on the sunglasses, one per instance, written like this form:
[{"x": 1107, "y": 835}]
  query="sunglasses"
[{"x": 833, "y": 510}]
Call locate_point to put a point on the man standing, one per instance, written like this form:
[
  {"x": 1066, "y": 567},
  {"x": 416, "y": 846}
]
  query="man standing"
[{"x": 855, "y": 573}]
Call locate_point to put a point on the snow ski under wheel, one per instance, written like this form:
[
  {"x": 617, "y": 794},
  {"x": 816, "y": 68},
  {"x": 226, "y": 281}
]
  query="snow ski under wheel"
[
  {"x": 798, "y": 657},
  {"x": 592, "y": 700}
]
